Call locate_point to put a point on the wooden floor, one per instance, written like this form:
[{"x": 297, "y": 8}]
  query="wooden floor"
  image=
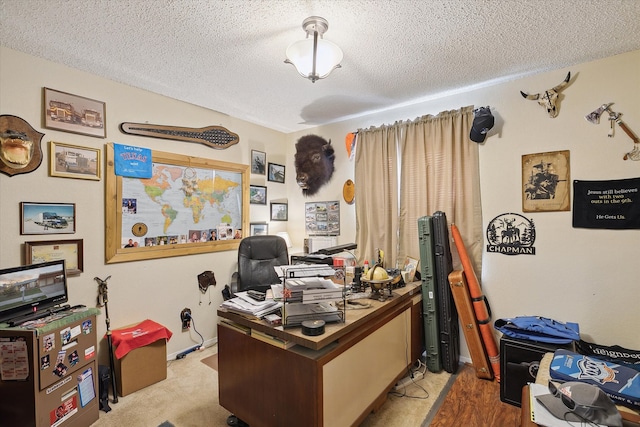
[{"x": 473, "y": 402}]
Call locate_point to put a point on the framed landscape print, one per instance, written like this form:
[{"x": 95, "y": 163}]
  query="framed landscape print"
[
  {"x": 259, "y": 228},
  {"x": 72, "y": 113},
  {"x": 47, "y": 218},
  {"x": 73, "y": 161},
  {"x": 276, "y": 173}
]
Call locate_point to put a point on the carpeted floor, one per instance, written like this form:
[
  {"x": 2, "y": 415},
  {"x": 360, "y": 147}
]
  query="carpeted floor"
[{"x": 188, "y": 397}]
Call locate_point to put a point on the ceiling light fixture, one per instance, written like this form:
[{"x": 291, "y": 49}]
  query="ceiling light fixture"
[{"x": 314, "y": 58}]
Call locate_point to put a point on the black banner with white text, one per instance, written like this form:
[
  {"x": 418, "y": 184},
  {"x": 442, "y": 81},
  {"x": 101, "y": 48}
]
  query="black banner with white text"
[{"x": 613, "y": 204}]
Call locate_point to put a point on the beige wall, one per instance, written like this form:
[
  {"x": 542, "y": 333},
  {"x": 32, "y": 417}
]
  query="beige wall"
[{"x": 579, "y": 275}]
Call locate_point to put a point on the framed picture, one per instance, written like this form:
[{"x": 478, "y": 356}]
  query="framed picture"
[
  {"x": 52, "y": 250},
  {"x": 257, "y": 194},
  {"x": 258, "y": 229},
  {"x": 74, "y": 161},
  {"x": 279, "y": 212},
  {"x": 545, "y": 182},
  {"x": 72, "y": 113},
  {"x": 258, "y": 162},
  {"x": 410, "y": 267},
  {"x": 322, "y": 218},
  {"x": 47, "y": 218},
  {"x": 138, "y": 227},
  {"x": 276, "y": 173}
]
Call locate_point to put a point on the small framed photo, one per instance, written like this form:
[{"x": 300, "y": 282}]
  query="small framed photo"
[
  {"x": 409, "y": 268},
  {"x": 74, "y": 161},
  {"x": 257, "y": 194},
  {"x": 276, "y": 173},
  {"x": 258, "y": 162},
  {"x": 47, "y": 218},
  {"x": 279, "y": 212},
  {"x": 51, "y": 250},
  {"x": 72, "y": 113},
  {"x": 258, "y": 229}
]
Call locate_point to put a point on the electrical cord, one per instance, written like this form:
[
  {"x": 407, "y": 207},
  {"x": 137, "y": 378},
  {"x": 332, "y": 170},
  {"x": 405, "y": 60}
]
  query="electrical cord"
[
  {"x": 412, "y": 370},
  {"x": 193, "y": 323}
]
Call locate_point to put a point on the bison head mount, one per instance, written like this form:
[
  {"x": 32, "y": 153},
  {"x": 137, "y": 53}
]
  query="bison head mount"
[
  {"x": 314, "y": 163},
  {"x": 548, "y": 98}
]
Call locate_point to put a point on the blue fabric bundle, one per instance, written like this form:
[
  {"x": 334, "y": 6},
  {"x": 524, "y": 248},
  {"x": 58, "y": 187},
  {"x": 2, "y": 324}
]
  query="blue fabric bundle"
[{"x": 541, "y": 329}]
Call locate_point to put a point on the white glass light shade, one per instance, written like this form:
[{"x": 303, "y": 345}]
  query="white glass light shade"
[{"x": 300, "y": 55}]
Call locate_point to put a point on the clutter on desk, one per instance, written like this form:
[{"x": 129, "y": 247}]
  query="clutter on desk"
[{"x": 243, "y": 304}]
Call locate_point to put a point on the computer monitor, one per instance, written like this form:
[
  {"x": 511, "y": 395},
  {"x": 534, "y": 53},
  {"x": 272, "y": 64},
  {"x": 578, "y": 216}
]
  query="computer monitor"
[{"x": 32, "y": 288}]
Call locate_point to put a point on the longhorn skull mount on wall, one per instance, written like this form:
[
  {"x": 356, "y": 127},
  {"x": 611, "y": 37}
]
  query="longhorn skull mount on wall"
[{"x": 549, "y": 97}]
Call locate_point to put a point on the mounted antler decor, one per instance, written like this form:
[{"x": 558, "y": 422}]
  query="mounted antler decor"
[{"x": 548, "y": 98}]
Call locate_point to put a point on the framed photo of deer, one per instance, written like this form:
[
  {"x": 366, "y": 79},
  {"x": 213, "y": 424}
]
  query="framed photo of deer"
[{"x": 545, "y": 182}]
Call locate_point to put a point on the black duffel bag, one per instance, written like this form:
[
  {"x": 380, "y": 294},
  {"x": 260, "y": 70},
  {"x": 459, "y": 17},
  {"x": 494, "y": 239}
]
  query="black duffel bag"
[{"x": 615, "y": 353}]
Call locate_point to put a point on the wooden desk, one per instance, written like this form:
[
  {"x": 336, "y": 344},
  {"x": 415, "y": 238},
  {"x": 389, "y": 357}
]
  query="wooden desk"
[
  {"x": 629, "y": 419},
  {"x": 335, "y": 379}
]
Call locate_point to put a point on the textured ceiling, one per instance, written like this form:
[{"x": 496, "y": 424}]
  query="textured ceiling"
[{"x": 228, "y": 55}]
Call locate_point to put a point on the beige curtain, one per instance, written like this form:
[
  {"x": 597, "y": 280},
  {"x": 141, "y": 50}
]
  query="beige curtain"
[
  {"x": 438, "y": 171},
  {"x": 376, "y": 184}
]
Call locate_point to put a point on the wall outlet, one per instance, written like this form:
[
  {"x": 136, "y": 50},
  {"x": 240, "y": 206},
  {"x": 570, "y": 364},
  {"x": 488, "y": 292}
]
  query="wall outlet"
[
  {"x": 407, "y": 381},
  {"x": 185, "y": 317}
]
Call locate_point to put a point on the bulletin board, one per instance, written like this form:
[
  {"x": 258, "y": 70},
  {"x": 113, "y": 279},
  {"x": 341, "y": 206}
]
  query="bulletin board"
[{"x": 158, "y": 217}]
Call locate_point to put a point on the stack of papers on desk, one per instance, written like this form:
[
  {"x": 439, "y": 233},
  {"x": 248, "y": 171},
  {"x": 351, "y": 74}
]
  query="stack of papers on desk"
[
  {"x": 294, "y": 314},
  {"x": 244, "y": 304},
  {"x": 304, "y": 270},
  {"x": 308, "y": 289}
]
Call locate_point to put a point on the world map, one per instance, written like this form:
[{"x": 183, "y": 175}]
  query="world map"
[{"x": 178, "y": 201}]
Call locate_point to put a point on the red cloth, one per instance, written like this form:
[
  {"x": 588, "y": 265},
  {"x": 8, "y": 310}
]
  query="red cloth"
[{"x": 144, "y": 333}]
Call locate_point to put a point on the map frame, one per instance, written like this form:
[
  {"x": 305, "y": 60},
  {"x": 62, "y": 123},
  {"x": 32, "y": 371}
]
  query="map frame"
[{"x": 114, "y": 253}]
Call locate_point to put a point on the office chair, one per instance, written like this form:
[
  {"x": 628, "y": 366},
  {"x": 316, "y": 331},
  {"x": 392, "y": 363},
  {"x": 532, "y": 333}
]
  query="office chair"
[{"x": 257, "y": 255}]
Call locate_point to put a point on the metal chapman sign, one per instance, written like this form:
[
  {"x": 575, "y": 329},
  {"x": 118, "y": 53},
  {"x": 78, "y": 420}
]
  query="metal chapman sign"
[{"x": 511, "y": 234}]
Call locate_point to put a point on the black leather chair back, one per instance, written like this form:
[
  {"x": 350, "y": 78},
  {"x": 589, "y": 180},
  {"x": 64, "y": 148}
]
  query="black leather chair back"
[{"x": 257, "y": 255}]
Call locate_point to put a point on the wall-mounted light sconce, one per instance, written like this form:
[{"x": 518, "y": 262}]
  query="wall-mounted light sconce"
[{"x": 314, "y": 58}]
